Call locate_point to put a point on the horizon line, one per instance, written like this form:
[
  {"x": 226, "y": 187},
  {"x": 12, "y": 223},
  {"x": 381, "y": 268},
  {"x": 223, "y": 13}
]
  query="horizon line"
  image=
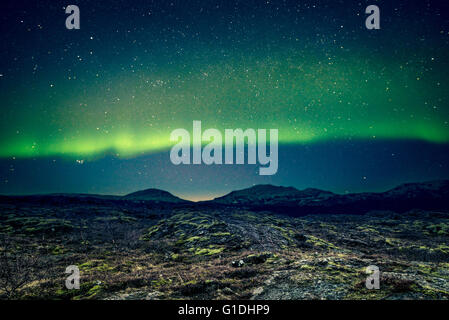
[{"x": 199, "y": 198}]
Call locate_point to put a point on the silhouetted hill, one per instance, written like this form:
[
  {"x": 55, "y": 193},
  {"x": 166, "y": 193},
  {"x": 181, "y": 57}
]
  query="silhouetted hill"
[
  {"x": 143, "y": 197},
  {"x": 431, "y": 195},
  {"x": 432, "y": 189},
  {"x": 267, "y": 194},
  {"x": 154, "y": 195}
]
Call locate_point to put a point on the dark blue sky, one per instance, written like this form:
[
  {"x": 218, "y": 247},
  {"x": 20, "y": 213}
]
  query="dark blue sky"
[
  {"x": 91, "y": 110},
  {"x": 336, "y": 166}
]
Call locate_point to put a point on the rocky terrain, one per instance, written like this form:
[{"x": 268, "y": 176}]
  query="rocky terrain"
[{"x": 139, "y": 247}]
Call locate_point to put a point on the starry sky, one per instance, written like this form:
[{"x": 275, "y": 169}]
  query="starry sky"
[{"x": 91, "y": 110}]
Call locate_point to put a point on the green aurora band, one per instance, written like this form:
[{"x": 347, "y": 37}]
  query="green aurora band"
[{"x": 309, "y": 99}]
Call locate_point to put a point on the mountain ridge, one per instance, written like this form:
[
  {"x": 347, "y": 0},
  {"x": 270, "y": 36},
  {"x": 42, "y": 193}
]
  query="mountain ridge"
[
  {"x": 152, "y": 194},
  {"x": 429, "y": 195},
  {"x": 271, "y": 194},
  {"x": 418, "y": 195}
]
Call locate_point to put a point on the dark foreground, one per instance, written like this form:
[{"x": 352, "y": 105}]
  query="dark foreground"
[{"x": 138, "y": 251}]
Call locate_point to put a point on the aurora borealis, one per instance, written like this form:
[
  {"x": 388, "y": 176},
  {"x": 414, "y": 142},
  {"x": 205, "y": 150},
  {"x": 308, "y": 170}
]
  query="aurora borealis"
[{"x": 111, "y": 92}]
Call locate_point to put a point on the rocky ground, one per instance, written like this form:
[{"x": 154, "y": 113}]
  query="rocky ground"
[{"x": 126, "y": 252}]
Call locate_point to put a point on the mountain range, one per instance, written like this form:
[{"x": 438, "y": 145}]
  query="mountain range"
[{"x": 432, "y": 195}]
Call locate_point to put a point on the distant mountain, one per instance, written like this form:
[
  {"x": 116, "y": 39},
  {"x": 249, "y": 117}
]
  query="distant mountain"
[
  {"x": 266, "y": 194},
  {"x": 80, "y": 196},
  {"x": 153, "y": 195},
  {"x": 432, "y": 189},
  {"x": 431, "y": 195},
  {"x": 148, "y": 196}
]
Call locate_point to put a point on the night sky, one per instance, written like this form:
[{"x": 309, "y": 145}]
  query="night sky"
[{"x": 91, "y": 110}]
